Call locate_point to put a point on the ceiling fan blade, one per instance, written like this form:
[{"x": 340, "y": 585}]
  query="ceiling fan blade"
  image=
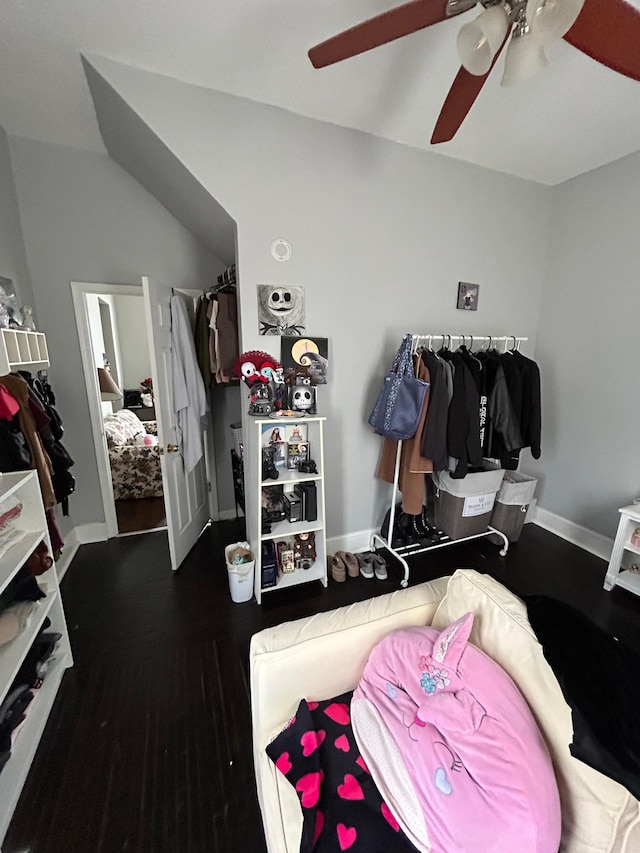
[
  {"x": 462, "y": 95},
  {"x": 609, "y": 32},
  {"x": 391, "y": 25}
]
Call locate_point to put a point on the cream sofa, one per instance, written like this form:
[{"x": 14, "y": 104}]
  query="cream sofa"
[{"x": 323, "y": 656}]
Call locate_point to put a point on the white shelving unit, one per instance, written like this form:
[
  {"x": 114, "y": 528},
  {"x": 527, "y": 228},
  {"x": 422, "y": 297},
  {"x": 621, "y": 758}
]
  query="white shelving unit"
[
  {"x": 624, "y": 554},
  {"x": 22, "y": 350},
  {"x": 32, "y": 521},
  {"x": 313, "y": 426}
]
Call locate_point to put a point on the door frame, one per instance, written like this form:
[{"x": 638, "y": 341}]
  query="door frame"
[{"x": 79, "y": 291}]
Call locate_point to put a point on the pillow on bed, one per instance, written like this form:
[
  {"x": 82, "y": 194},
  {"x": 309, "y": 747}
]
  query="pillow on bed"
[
  {"x": 598, "y": 815},
  {"x": 341, "y": 806},
  {"x": 453, "y": 747}
]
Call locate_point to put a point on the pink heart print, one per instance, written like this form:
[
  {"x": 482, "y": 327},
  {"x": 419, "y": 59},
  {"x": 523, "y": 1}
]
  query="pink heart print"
[
  {"x": 338, "y": 712},
  {"x": 350, "y": 789},
  {"x": 360, "y": 760},
  {"x": 312, "y": 705},
  {"x": 309, "y": 787},
  {"x": 342, "y": 743},
  {"x": 310, "y": 741},
  {"x": 317, "y": 832},
  {"x": 346, "y": 836},
  {"x": 283, "y": 764},
  {"x": 393, "y": 823}
]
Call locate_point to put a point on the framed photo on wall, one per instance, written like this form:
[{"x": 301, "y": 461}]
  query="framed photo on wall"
[{"x": 468, "y": 296}]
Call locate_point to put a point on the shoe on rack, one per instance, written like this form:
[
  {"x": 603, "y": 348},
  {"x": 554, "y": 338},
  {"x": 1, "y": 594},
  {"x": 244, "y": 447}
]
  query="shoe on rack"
[
  {"x": 337, "y": 568},
  {"x": 379, "y": 567},
  {"x": 404, "y": 535},
  {"x": 353, "y": 569},
  {"x": 365, "y": 561},
  {"x": 433, "y": 532},
  {"x": 420, "y": 531}
]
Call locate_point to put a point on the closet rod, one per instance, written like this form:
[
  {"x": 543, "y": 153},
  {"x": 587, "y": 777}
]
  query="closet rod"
[{"x": 449, "y": 338}]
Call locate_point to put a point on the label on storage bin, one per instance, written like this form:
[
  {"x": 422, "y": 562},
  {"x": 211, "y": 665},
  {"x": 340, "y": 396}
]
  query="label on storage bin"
[{"x": 478, "y": 504}]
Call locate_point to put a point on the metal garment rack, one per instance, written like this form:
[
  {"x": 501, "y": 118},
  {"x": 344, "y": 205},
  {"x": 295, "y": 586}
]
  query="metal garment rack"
[{"x": 402, "y": 551}]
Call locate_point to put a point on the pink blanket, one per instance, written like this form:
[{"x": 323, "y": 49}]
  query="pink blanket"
[{"x": 453, "y": 747}]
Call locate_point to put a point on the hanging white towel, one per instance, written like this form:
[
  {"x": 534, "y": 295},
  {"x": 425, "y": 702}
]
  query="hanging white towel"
[{"x": 189, "y": 395}]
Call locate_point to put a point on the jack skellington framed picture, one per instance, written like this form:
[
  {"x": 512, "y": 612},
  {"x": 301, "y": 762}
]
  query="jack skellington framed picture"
[{"x": 281, "y": 310}]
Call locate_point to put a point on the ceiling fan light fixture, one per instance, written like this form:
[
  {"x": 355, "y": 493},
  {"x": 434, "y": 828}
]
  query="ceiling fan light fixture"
[
  {"x": 525, "y": 57},
  {"x": 479, "y": 41},
  {"x": 550, "y": 20}
]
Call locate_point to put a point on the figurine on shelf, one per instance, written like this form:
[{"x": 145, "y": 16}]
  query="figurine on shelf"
[
  {"x": 304, "y": 550},
  {"x": 262, "y": 374},
  {"x": 27, "y": 318}
]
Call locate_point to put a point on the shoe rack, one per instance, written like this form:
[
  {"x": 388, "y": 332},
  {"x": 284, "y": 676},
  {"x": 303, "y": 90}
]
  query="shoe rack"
[{"x": 400, "y": 552}]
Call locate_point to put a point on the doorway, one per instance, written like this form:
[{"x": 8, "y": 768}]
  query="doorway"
[{"x": 113, "y": 333}]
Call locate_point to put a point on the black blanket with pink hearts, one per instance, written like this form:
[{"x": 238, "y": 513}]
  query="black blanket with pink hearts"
[{"x": 341, "y": 806}]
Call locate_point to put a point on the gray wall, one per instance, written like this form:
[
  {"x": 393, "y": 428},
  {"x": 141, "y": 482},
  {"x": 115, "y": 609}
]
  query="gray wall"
[
  {"x": 85, "y": 219},
  {"x": 588, "y": 348},
  {"x": 133, "y": 340},
  {"x": 381, "y": 235},
  {"x": 227, "y": 402},
  {"x": 13, "y": 260}
]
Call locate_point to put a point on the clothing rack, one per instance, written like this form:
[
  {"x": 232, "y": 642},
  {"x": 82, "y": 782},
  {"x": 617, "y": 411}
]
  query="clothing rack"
[
  {"x": 402, "y": 551},
  {"x": 419, "y": 340},
  {"x": 228, "y": 277}
]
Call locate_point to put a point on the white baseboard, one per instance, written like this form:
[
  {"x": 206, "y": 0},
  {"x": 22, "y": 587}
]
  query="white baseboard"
[
  {"x": 95, "y": 532},
  {"x": 229, "y": 515},
  {"x": 79, "y": 535},
  {"x": 594, "y": 543},
  {"x": 354, "y": 542}
]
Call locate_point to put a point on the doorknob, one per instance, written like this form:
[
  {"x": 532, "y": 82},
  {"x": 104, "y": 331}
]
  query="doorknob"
[{"x": 170, "y": 448}]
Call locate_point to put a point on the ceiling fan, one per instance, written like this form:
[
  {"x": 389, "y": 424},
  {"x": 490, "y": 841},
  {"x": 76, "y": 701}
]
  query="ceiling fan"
[{"x": 606, "y": 30}]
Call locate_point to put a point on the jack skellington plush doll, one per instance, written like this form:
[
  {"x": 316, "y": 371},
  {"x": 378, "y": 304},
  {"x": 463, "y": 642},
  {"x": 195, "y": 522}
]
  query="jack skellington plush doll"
[{"x": 302, "y": 395}]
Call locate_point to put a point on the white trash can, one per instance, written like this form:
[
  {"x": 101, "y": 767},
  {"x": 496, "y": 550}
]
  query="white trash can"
[{"x": 240, "y": 574}]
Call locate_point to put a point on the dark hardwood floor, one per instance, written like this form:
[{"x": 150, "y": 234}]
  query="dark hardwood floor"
[
  {"x": 148, "y": 748},
  {"x": 137, "y": 514}
]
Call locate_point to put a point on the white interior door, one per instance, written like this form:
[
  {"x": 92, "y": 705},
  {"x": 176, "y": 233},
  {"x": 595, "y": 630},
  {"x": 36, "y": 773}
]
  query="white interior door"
[{"x": 186, "y": 496}]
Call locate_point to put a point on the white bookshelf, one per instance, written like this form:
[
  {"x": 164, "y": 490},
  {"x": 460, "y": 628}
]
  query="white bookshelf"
[
  {"x": 287, "y": 479},
  {"x": 33, "y": 526},
  {"x": 22, "y": 350}
]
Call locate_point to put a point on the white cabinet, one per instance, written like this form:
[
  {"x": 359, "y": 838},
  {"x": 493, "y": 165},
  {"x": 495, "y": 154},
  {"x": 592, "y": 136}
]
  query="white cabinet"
[
  {"x": 285, "y": 436},
  {"x": 624, "y": 566},
  {"x": 33, "y": 526},
  {"x": 22, "y": 350}
]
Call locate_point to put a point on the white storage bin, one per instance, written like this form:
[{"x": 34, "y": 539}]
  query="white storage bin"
[
  {"x": 463, "y": 506},
  {"x": 512, "y": 502}
]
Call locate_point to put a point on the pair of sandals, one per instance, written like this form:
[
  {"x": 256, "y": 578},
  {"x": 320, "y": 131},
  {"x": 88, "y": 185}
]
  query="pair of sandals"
[{"x": 368, "y": 565}]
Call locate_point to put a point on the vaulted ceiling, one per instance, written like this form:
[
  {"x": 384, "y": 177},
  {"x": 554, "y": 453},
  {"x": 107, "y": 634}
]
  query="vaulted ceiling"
[{"x": 574, "y": 116}]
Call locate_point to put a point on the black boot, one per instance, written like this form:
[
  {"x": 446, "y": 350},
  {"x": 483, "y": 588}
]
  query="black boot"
[
  {"x": 403, "y": 529},
  {"x": 435, "y": 534},
  {"x": 420, "y": 531}
]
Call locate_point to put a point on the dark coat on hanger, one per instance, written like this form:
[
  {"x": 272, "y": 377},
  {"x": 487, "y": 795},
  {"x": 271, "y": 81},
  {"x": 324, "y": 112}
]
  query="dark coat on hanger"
[{"x": 463, "y": 427}]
